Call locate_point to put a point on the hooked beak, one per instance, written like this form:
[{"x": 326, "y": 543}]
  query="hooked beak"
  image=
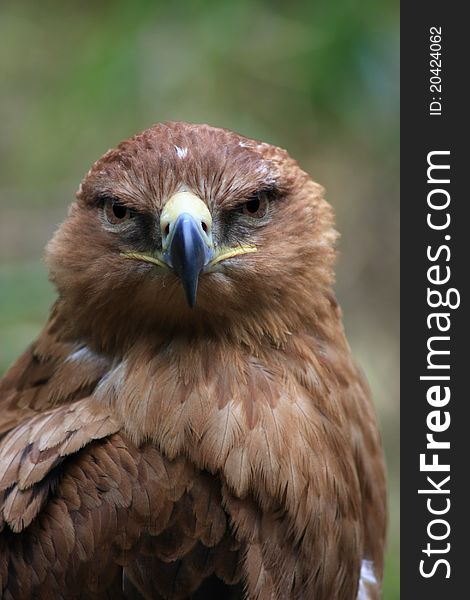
[
  {"x": 187, "y": 245},
  {"x": 186, "y": 225}
]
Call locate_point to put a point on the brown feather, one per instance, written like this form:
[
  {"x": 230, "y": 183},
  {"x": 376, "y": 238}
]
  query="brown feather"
[{"x": 148, "y": 447}]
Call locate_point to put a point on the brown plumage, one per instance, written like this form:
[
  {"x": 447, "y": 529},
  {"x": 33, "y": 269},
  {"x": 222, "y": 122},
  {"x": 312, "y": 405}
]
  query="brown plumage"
[{"x": 150, "y": 449}]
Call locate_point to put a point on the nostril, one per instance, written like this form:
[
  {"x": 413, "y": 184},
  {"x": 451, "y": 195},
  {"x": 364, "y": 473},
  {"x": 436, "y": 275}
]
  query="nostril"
[
  {"x": 166, "y": 231},
  {"x": 204, "y": 227}
]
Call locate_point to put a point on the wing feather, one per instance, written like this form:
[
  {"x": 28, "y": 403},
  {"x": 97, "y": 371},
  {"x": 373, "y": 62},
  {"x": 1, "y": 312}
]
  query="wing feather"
[
  {"x": 103, "y": 512},
  {"x": 28, "y": 461}
]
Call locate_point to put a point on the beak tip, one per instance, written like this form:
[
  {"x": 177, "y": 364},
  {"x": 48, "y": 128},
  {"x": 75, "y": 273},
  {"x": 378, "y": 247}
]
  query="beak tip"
[
  {"x": 188, "y": 253},
  {"x": 190, "y": 287},
  {"x": 191, "y": 300}
]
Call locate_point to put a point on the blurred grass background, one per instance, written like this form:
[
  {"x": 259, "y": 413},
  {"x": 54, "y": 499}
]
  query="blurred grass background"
[{"x": 319, "y": 78}]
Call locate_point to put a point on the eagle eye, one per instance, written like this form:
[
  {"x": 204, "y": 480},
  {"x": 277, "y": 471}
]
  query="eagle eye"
[
  {"x": 257, "y": 206},
  {"x": 115, "y": 212}
]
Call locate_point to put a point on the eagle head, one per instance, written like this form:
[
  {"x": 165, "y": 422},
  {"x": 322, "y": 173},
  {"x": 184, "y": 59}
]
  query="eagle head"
[{"x": 195, "y": 228}]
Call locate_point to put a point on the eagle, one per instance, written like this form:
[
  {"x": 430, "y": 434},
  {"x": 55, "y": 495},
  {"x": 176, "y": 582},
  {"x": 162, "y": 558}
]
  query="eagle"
[{"x": 190, "y": 423}]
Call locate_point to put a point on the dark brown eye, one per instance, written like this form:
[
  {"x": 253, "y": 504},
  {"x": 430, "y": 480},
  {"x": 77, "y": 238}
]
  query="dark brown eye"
[
  {"x": 115, "y": 212},
  {"x": 256, "y": 207}
]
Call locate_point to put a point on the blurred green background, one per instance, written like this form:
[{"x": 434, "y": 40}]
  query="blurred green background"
[{"x": 319, "y": 78}]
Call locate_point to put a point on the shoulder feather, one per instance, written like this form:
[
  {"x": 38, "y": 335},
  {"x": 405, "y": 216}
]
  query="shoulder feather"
[{"x": 49, "y": 373}]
